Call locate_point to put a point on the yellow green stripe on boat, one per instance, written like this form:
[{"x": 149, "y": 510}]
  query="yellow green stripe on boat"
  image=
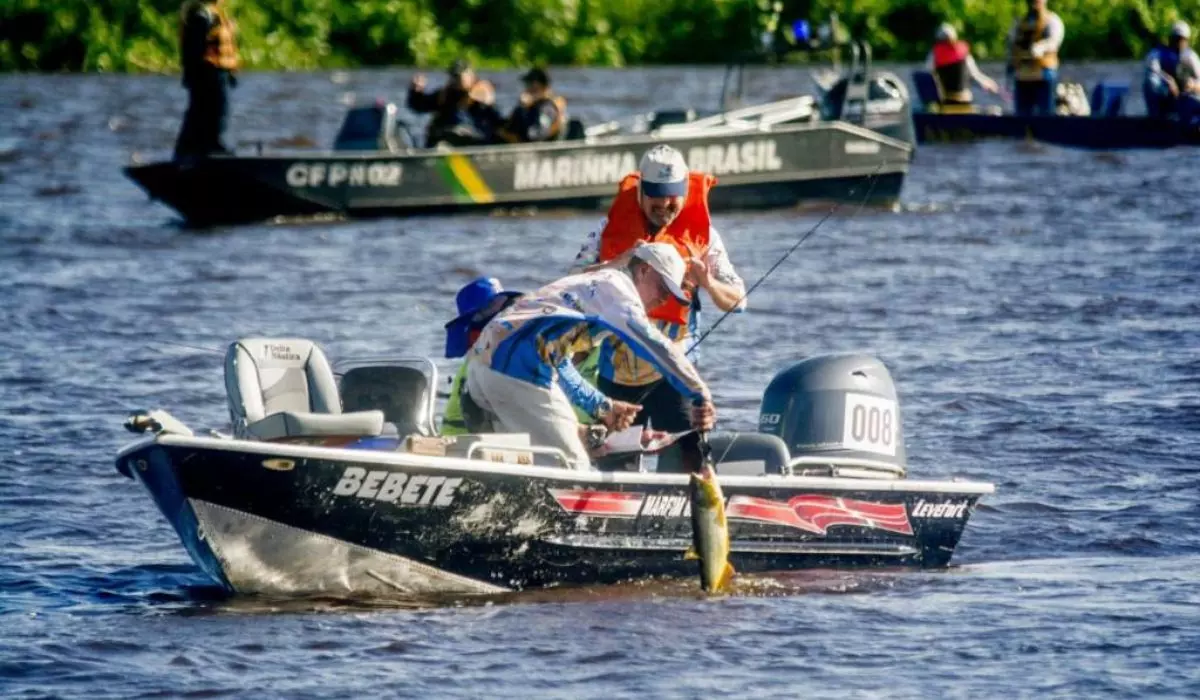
[{"x": 464, "y": 180}]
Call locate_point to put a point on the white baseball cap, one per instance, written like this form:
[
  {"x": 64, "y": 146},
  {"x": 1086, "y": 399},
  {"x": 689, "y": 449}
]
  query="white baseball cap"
[
  {"x": 664, "y": 172},
  {"x": 666, "y": 261},
  {"x": 946, "y": 32},
  {"x": 1181, "y": 30}
]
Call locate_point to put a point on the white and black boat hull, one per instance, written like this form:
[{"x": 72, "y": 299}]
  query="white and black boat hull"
[{"x": 299, "y": 519}]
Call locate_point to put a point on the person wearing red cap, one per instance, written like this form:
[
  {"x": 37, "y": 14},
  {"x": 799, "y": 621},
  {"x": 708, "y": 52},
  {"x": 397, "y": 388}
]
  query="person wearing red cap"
[
  {"x": 664, "y": 201},
  {"x": 519, "y": 371}
]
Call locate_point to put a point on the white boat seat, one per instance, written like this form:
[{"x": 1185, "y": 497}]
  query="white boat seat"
[{"x": 284, "y": 387}]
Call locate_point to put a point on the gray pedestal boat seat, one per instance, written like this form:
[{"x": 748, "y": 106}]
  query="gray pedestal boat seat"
[
  {"x": 285, "y": 388},
  {"x": 404, "y": 389}
]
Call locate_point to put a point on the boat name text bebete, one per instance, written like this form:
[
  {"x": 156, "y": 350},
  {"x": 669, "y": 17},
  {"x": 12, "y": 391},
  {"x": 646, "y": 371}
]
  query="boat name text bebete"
[
  {"x": 583, "y": 169},
  {"x": 387, "y": 174},
  {"x": 397, "y": 487}
]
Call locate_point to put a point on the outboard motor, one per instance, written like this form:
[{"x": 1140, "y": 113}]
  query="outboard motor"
[{"x": 838, "y": 416}]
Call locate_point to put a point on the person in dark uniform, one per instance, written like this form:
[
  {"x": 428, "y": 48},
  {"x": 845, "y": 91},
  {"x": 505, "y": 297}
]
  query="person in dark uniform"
[
  {"x": 540, "y": 114},
  {"x": 463, "y": 109},
  {"x": 210, "y": 61}
]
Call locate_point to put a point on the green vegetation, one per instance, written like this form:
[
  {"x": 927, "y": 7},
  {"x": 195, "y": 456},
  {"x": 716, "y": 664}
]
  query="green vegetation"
[{"x": 141, "y": 35}]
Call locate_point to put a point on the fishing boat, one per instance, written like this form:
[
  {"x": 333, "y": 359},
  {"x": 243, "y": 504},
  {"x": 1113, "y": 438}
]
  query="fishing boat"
[
  {"x": 1105, "y": 128},
  {"x": 780, "y": 154},
  {"x": 332, "y": 480}
]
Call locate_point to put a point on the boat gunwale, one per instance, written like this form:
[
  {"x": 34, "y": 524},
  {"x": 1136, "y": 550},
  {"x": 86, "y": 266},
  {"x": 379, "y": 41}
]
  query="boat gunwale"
[{"x": 458, "y": 464}]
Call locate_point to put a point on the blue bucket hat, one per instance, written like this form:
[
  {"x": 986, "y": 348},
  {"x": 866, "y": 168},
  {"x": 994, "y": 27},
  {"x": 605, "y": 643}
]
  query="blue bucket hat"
[{"x": 471, "y": 300}]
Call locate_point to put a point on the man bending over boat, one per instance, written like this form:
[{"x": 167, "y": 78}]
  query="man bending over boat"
[
  {"x": 1172, "y": 82},
  {"x": 954, "y": 68},
  {"x": 519, "y": 372},
  {"x": 664, "y": 201}
]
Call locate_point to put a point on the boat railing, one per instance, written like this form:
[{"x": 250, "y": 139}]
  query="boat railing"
[
  {"x": 519, "y": 450},
  {"x": 752, "y": 118},
  {"x": 853, "y": 467},
  {"x": 758, "y": 117}
]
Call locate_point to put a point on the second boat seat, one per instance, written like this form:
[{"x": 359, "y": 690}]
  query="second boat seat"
[{"x": 284, "y": 388}]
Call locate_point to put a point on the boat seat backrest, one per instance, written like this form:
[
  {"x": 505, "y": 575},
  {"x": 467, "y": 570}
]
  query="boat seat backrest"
[
  {"x": 285, "y": 387},
  {"x": 403, "y": 392},
  {"x": 927, "y": 87}
]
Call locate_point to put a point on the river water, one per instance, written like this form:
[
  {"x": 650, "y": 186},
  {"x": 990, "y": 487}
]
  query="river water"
[{"x": 1039, "y": 309}]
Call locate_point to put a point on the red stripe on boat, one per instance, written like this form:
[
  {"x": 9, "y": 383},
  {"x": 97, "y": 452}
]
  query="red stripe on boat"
[
  {"x": 817, "y": 514},
  {"x": 585, "y": 502}
]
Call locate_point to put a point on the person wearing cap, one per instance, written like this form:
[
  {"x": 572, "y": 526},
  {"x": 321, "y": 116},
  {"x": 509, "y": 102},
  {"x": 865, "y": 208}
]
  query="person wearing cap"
[
  {"x": 540, "y": 113},
  {"x": 663, "y": 201},
  {"x": 1172, "y": 82},
  {"x": 1033, "y": 44},
  {"x": 478, "y": 302},
  {"x": 209, "y": 58},
  {"x": 519, "y": 371},
  {"x": 954, "y": 68},
  {"x": 464, "y": 111}
]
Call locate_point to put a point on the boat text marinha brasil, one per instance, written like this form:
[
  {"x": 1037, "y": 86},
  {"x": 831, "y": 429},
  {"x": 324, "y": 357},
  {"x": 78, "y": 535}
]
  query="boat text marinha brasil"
[{"x": 583, "y": 169}]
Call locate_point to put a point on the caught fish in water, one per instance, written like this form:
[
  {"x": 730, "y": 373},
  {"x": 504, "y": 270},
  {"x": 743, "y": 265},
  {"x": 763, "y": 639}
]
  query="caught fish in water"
[{"x": 710, "y": 532}]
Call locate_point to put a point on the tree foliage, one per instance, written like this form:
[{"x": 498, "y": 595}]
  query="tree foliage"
[{"x": 141, "y": 35}]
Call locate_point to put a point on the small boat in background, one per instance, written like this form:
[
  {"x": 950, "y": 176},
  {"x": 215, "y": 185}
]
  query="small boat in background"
[
  {"x": 803, "y": 149},
  {"x": 1106, "y": 128}
]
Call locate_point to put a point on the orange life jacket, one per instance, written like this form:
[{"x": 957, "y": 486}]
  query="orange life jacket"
[
  {"x": 689, "y": 232},
  {"x": 1029, "y": 31},
  {"x": 220, "y": 50}
]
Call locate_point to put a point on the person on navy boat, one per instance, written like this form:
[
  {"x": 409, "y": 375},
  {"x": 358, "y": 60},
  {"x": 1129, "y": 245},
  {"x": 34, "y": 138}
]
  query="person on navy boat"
[
  {"x": 954, "y": 68},
  {"x": 1172, "y": 82},
  {"x": 663, "y": 201},
  {"x": 1033, "y": 44},
  {"x": 464, "y": 112},
  {"x": 540, "y": 114},
  {"x": 478, "y": 302},
  {"x": 520, "y": 374},
  {"x": 209, "y": 59}
]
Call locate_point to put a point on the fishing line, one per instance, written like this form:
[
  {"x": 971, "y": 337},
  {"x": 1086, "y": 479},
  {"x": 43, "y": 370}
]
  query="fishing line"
[
  {"x": 870, "y": 181},
  {"x": 871, "y": 188}
]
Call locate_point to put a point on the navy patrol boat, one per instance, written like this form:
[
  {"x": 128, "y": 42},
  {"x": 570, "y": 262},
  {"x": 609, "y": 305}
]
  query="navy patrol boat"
[
  {"x": 809, "y": 148},
  {"x": 332, "y": 480}
]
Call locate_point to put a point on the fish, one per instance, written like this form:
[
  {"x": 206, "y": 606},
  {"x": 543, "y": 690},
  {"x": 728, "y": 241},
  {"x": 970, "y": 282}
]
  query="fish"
[{"x": 710, "y": 531}]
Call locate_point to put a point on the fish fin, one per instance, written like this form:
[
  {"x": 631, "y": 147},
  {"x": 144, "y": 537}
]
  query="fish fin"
[
  {"x": 725, "y": 577},
  {"x": 691, "y": 553}
]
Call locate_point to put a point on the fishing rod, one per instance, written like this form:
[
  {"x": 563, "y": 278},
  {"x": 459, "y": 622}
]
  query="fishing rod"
[
  {"x": 862, "y": 203},
  {"x": 870, "y": 181}
]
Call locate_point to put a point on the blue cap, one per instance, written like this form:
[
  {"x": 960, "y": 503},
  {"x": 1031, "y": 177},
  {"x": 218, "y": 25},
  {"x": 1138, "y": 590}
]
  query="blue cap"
[{"x": 472, "y": 299}]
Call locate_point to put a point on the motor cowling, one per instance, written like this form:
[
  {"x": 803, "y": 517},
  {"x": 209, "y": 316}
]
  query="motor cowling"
[{"x": 836, "y": 407}]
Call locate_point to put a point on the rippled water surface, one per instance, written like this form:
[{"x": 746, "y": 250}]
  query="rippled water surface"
[{"x": 1038, "y": 307}]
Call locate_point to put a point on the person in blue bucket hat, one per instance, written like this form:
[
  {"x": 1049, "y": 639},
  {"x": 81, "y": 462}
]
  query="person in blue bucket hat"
[{"x": 478, "y": 302}]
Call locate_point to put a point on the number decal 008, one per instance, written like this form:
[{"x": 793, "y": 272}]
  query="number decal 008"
[{"x": 870, "y": 424}]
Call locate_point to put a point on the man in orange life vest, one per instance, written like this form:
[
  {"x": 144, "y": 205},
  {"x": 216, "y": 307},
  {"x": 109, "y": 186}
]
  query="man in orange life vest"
[
  {"x": 1033, "y": 44},
  {"x": 662, "y": 202},
  {"x": 210, "y": 61},
  {"x": 954, "y": 68}
]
